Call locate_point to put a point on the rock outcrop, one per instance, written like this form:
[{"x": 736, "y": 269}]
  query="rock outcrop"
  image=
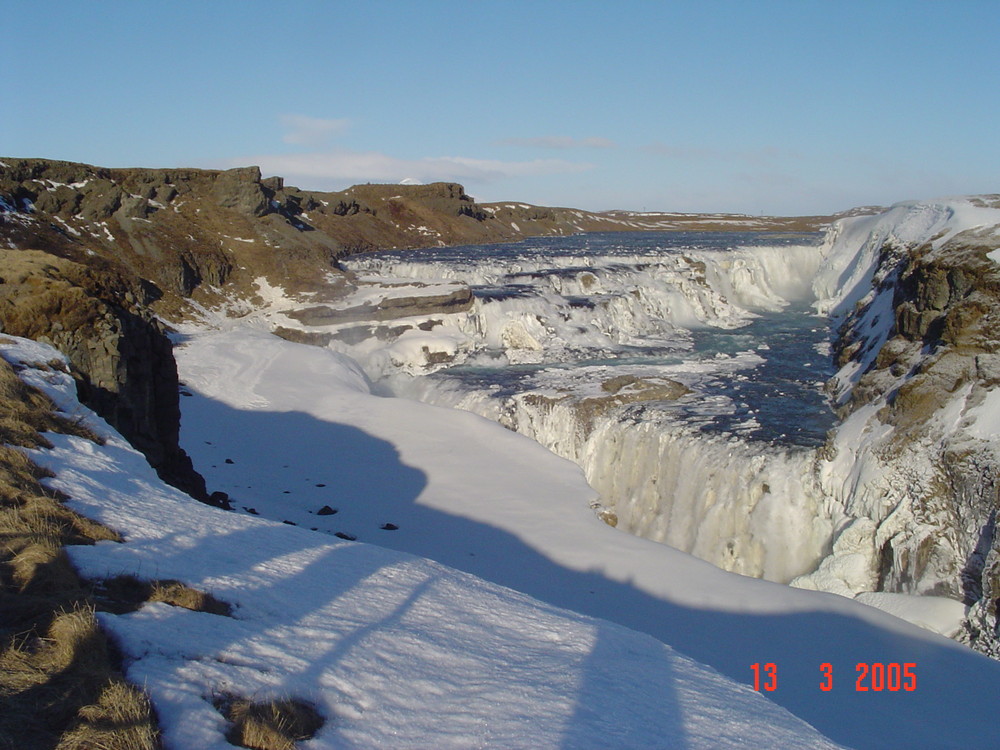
[
  {"x": 389, "y": 308},
  {"x": 914, "y": 464},
  {"x": 120, "y": 356}
]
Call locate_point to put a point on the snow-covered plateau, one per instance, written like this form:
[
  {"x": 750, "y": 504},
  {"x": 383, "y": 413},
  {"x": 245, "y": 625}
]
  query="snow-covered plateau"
[{"x": 469, "y": 580}]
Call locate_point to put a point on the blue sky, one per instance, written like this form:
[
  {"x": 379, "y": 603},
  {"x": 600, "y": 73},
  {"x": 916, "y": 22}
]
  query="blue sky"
[{"x": 776, "y": 107}]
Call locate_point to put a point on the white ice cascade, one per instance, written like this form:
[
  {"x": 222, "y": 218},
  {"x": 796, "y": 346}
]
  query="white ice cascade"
[{"x": 745, "y": 505}]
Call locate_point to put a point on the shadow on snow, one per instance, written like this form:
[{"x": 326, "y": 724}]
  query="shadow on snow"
[{"x": 953, "y": 705}]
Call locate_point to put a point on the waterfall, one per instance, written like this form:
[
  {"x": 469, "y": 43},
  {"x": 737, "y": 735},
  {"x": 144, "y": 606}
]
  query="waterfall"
[{"x": 549, "y": 331}]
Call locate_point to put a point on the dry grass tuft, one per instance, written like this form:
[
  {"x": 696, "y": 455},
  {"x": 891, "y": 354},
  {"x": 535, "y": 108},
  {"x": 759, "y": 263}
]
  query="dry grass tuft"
[
  {"x": 27, "y": 412},
  {"x": 181, "y": 595},
  {"x": 121, "y": 719},
  {"x": 75, "y": 641},
  {"x": 61, "y": 691},
  {"x": 268, "y": 725},
  {"x": 60, "y": 686},
  {"x": 128, "y": 593}
]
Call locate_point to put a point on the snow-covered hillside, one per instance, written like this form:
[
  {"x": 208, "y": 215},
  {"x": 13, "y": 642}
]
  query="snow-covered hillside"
[
  {"x": 911, "y": 471},
  {"x": 394, "y": 650}
]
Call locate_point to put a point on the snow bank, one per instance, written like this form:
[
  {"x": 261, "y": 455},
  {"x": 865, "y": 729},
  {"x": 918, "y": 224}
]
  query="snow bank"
[
  {"x": 935, "y": 613},
  {"x": 852, "y": 246}
]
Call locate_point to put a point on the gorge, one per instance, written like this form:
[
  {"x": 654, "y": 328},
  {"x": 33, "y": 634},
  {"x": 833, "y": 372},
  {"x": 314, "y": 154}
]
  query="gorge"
[{"x": 686, "y": 374}]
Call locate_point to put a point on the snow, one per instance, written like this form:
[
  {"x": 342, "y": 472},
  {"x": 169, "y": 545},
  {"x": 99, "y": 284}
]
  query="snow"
[
  {"x": 354, "y": 627},
  {"x": 479, "y": 498},
  {"x": 873, "y": 480},
  {"x": 66, "y": 226},
  {"x": 107, "y": 232},
  {"x": 985, "y": 418},
  {"x": 853, "y": 244},
  {"x": 847, "y": 277},
  {"x": 394, "y": 650},
  {"x": 935, "y": 613},
  {"x": 367, "y": 633}
]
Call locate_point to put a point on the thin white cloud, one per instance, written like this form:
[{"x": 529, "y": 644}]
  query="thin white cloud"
[
  {"x": 323, "y": 170},
  {"x": 301, "y": 130},
  {"x": 557, "y": 142}
]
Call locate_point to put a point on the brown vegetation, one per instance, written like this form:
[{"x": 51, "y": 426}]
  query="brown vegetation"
[
  {"x": 268, "y": 725},
  {"x": 128, "y": 593},
  {"x": 59, "y": 684}
]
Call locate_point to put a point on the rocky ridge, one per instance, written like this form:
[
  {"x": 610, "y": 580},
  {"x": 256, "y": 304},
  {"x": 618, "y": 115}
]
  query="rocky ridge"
[{"x": 120, "y": 354}]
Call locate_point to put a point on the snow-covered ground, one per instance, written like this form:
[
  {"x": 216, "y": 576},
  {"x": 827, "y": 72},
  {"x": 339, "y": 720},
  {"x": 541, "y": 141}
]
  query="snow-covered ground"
[
  {"x": 398, "y": 651},
  {"x": 468, "y": 493}
]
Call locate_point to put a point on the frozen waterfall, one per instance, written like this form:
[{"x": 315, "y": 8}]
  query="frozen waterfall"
[{"x": 671, "y": 368}]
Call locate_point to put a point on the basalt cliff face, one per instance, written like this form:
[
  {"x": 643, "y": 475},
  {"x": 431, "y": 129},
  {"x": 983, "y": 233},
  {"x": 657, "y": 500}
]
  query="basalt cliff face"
[
  {"x": 914, "y": 464},
  {"x": 120, "y": 355}
]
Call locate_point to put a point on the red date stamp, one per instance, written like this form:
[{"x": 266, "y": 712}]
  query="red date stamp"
[{"x": 875, "y": 677}]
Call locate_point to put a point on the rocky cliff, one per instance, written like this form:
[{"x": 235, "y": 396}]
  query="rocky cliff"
[
  {"x": 190, "y": 232},
  {"x": 120, "y": 355},
  {"x": 915, "y": 463}
]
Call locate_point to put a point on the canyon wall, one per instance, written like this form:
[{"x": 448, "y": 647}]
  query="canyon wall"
[{"x": 912, "y": 470}]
